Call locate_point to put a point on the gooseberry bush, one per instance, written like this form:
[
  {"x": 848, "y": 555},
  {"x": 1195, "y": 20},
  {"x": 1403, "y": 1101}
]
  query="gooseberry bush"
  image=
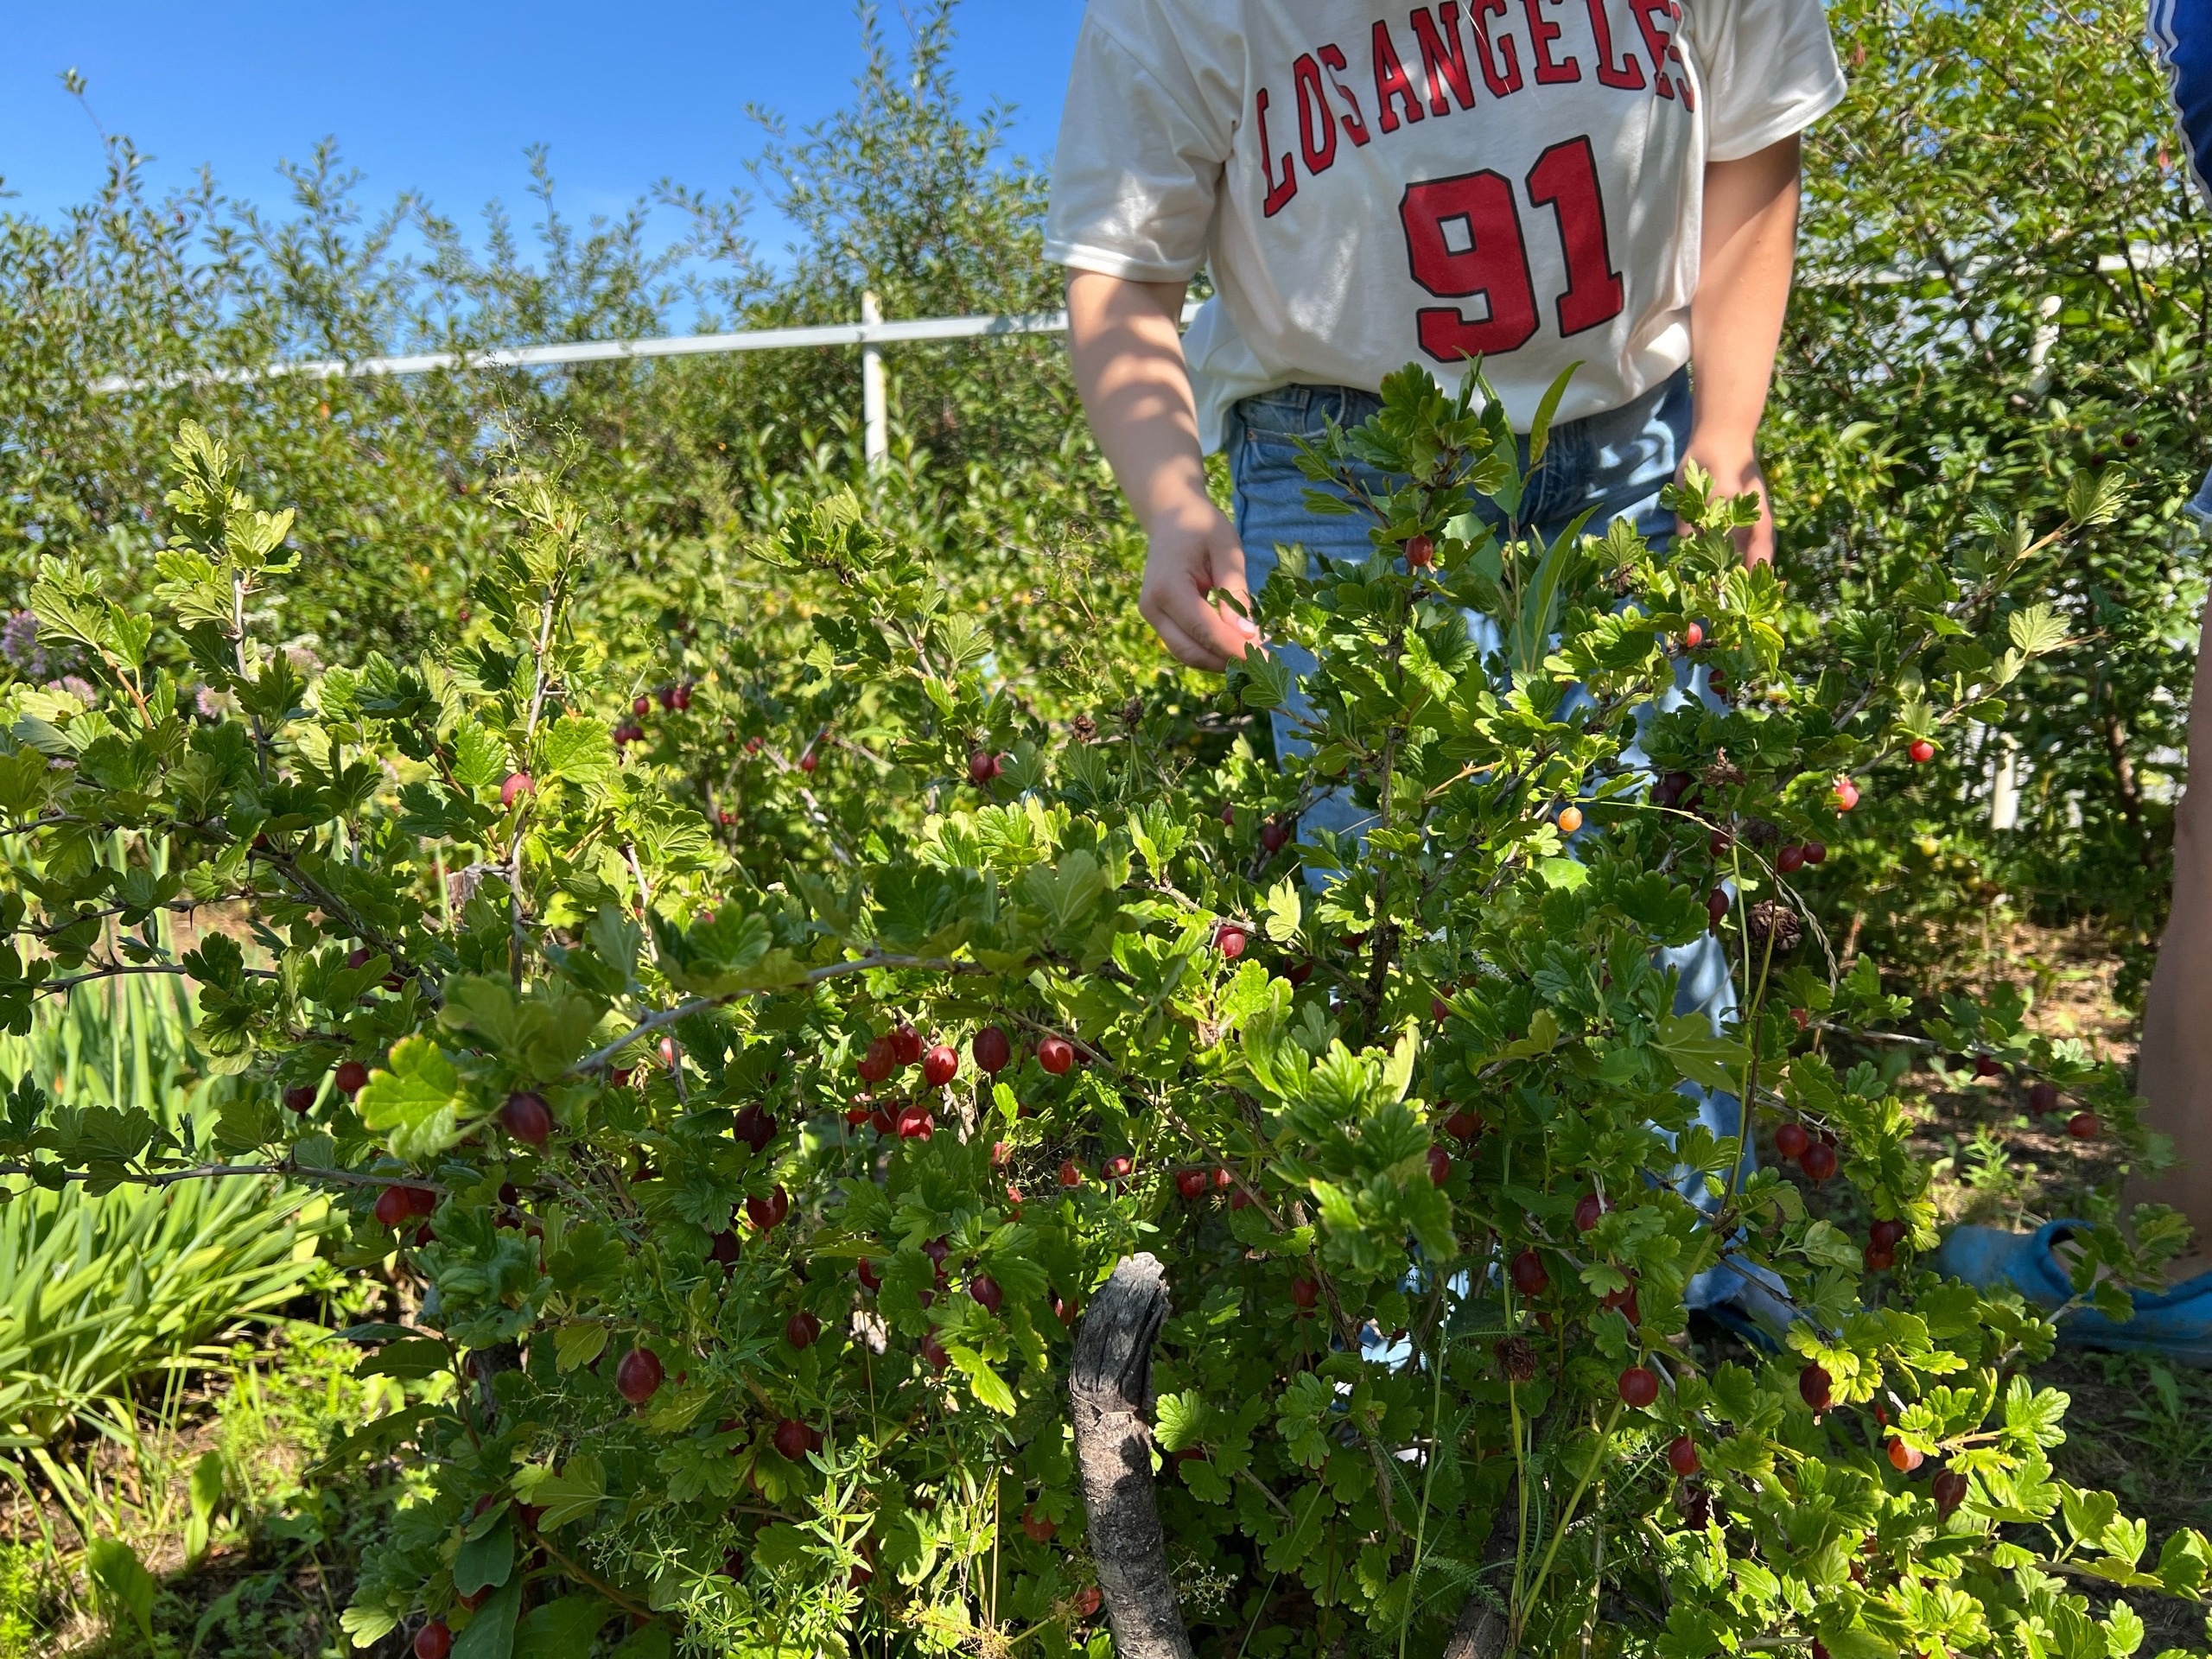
[{"x": 744, "y": 1078}]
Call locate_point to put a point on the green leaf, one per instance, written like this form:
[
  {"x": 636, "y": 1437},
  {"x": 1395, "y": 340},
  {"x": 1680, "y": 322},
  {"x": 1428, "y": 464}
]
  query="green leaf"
[
  {"x": 491, "y": 1633},
  {"x": 2036, "y": 631},
  {"x": 206, "y": 1495},
  {"x": 576, "y": 1344},
  {"x": 1286, "y": 912},
  {"x": 415, "y": 1105},
  {"x": 485, "y": 1563},
  {"x": 564, "y": 1629},
  {"x": 573, "y": 1493},
  {"x": 1709, "y": 1061},
  {"x": 122, "y": 1582},
  {"x": 578, "y": 749}
]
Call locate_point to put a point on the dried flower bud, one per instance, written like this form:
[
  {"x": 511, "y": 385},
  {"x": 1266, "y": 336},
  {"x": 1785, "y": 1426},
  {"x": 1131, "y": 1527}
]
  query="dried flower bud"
[
  {"x": 1517, "y": 1358},
  {"x": 1773, "y": 923}
]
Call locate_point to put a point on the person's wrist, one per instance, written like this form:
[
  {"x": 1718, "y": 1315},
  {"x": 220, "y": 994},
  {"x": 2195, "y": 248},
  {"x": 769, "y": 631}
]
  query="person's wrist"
[
  {"x": 1179, "y": 512},
  {"x": 1731, "y": 457}
]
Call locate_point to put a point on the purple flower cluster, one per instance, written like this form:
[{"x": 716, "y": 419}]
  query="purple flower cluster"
[{"x": 19, "y": 645}]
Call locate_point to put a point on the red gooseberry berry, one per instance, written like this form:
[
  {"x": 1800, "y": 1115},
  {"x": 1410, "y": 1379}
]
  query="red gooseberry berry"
[
  {"x": 801, "y": 1330},
  {"x": 1879, "y": 1258},
  {"x": 1070, "y": 1174},
  {"x": 1193, "y": 1184},
  {"x": 1887, "y": 1235},
  {"x": 1230, "y": 940},
  {"x": 2085, "y": 1126},
  {"x": 1681, "y": 1456},
  {"x": 639, "y": 1376},
  {"x": 525, "y": 1117},
  {"x": 1905, "y": 1458},
  {"x": 1791, "y": 1140},
  {"x": 1420, "y": 552},
  {"x": 1274, "y": 836},
  {"x": 1088, "y": 1601},
  {"x": 916, "y": 1123},
  {"x": 1304, "y": 1291},
  {"x": 865, "y": 1272},
  {"x": 302, "y": 1099},
  {"x": 1439, "y": 1165},
  {"x": 1821, "y": 1161},
  {"x": 1528, "y": 1275},
  {"x": 1056, "y": 1056},
  {"x": 986, "y": 1292},
  {"x": 768, "y": 1213},
  {"x": 1921, "y": 751},
  {"x": 1717, "y": 905},
  {"x": 641, "y": 706},
  {"x": 1570, "y": 820},
  {"x": 754, "y": 1126},
  {"x": 1589, "y": 1209},
  {"x": 351, "y": 1076},
  {"x": 1817, "y": 852},
  {"x": 1847, "y": 795},
  {"x": 1464, "y": 1125},
  {"x": 1949, "y": 1490},
  {"x": 1228, "y": 815},
  {"x": 727, "y": 1249},
  {"x": 1039, "y": 1529},
  {"x": 790, "y": 1439},
  {"x": 391, "y": 1206},
  {"x": 1694, "y": 637},
  {"x": 905, "y": 1045},
  {"x": 1222, "y": 1179},
  {"x": 809, "y": 761},
  {"x": 983, "y": 767},
  {"x": 1790, "y": 859},
  {"x": 515, "y": 786},
  {"x": 1116, "y": 1169},
  {"x": 2043, "y": 1099},
  {"x": 933, "y": 1352},
  {"x": 877, "y": 1064},
  {"x": 433, "y": 1641},
  {"x": 993, "y": 1050},
  {"x": 1638, "y": 1387},
  {"x": 1816, "y": 1387}
]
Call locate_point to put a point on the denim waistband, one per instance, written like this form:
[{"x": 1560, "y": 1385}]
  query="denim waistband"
[{"x": 1304, "y": 412}]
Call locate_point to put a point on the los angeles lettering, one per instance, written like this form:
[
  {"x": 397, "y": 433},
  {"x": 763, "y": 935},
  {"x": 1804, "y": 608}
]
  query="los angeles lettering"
[{"x": 1449, "y": 55}]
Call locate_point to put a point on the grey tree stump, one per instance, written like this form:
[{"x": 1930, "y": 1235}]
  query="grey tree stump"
[{"x": 1110, "y": 1388}]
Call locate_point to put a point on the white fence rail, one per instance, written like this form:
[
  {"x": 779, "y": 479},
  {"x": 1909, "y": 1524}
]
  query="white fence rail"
[{"x": 871, "y": 334}]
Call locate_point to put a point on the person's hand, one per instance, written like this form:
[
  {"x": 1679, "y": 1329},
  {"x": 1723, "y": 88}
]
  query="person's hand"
[
  {"x": 1735, "y": 470},
  {"x": 1193, "y": 550}
]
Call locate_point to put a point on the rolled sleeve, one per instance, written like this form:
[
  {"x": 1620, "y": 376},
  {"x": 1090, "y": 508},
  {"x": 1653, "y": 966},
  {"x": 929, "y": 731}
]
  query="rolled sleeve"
[
  {"x": 1139, "y": 171},
  {"x": 1769, "y": 71}
]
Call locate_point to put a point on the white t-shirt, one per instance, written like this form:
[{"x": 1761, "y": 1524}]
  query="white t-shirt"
[{"x": 1520, "y": 180}]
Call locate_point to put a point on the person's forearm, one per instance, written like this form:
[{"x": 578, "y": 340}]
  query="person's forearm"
[
  {"x": 1127, "y": 341},
  {"x": 1127, "y": 344},
  {"x": 1748, "y": 254}
]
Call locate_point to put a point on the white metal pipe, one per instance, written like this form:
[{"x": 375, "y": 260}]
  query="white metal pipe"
[{"x": 875, "y": 403}]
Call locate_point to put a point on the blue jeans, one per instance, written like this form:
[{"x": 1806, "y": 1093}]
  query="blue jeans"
[{"x": 1616, "y": 462}]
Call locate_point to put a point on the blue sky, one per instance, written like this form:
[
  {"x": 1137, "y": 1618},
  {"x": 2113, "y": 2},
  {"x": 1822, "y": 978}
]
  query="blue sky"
[{"x": 442, "y": 98}]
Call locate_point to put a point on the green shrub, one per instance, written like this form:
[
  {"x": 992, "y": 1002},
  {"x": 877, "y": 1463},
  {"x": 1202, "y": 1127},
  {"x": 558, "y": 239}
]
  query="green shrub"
[{"x": 733, "y": 1322}]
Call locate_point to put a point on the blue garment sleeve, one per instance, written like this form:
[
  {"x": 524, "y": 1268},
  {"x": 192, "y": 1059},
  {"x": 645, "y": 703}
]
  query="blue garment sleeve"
[{"x": 2181, "y": 30}]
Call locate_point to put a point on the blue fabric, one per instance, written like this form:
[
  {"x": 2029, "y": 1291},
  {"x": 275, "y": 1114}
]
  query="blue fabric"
[
  {"x": 2181, "y": 34},
  {"x": 2174, "y": 1324},
  {"x": 1616, "y": 463}
]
